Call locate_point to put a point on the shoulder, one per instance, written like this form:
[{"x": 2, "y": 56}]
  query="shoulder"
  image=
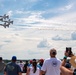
[
  {"x": 47, "y": 59},
  {"x": 2, "y": 63},
  {"x": 58, "y": 59},
  {"x": 17, "y": 65},
  {"x": 9, "y": 63}
]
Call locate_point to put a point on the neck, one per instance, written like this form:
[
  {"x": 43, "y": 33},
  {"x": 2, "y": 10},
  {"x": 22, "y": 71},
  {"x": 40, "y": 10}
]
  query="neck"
[{"x": 53, "y": 56}]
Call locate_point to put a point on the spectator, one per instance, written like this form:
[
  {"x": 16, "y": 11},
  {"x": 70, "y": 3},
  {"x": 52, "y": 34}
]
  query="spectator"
[
  {"x": 65, "y": 66},
  {"x": 52, "y": 65},
  {"x": 12, "y": 68},
  {"x": 21, "y": 64},
  {"x": 40, "y": 63},
  {"x": 25, "y": 66},
  {"x": 33, "y": 69},
  {"x": 30, "y": 63},
  {"x": 66, "y": 71},
  {"x": 2, "y": 66}
]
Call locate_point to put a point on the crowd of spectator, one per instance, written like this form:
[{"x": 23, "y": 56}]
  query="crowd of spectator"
[{"x": 50, "y": 66}]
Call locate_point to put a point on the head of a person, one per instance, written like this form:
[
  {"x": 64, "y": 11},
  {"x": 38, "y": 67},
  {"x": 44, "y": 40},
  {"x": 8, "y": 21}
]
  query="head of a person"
[
  {"x": 26, "y": 61},
  {"x": 41, "y": 62},
  {"x": 14, "y": 58},
  {"x": 20, "y": 61},
  {"x": 68, "y": 52},
  {"x": 34, "y": 64},
  {"x": 0, "y": 58},
  {"x": 30, "y": 61},
  {"x": 53, "y": 52}
]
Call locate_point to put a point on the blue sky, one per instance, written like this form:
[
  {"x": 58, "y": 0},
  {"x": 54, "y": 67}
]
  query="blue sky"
[{"x": 39, "y": 25}]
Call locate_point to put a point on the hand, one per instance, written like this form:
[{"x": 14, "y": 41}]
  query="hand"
[{"x": 66, "y": 54}]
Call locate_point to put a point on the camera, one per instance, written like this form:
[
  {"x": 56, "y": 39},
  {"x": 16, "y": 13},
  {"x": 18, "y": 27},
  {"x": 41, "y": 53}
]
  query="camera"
[{"x": 69, "y": 50}]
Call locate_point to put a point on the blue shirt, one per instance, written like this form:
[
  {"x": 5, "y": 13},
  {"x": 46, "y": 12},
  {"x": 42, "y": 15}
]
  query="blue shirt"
[{"x": 12, "y": 69}]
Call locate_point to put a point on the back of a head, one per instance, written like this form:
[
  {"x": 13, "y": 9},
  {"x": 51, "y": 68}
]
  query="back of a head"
[
  {"x": 20, "y": 61},
  {"x": 0, "y": 58},
  {"x": 26, "y": 61},
  {"x": 34, "y": 60},
  {"x": 14, "y": 58},
  {"x": 41, "y": 60},
  {"x": 30, "y": 61},
  {"x": 53, "y": 52},
  {"x": 34, "y": 64}
]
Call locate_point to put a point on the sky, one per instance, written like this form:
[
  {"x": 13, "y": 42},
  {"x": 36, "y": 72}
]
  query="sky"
[{"x": 39, "y": 25}]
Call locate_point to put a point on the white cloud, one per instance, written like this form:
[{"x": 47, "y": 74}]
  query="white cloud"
[
  {"x": 57, "y": 37},
  {"x": 68, "y": 7},
  {"x": 10, "y": 13},
  {"x": 63, "y": 37},
  {"x": 19, "y": 12},
  {"x": 64, "y": 21},
  {"x": 25, "y": 41},
  {"x": 73, "y": 35},
  {"x": 31, "y": 18},
  {"x": 43, "y": 44}
]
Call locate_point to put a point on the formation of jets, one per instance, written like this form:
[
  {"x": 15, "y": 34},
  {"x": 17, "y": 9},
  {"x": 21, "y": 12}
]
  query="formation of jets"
[{"x": 6, "y": 20}]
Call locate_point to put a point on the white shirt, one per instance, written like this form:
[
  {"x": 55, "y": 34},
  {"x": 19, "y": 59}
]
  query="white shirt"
[
  {"x": 36, "y": 73},
  {"x": 51, "y": 66},
  {"x": 21, "y": 66}
]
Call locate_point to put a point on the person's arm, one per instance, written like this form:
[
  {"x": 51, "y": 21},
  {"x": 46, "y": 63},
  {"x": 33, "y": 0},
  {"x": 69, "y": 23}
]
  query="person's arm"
[
  {"x": 20, "y": 73},
  {"x": 5, "y": 73},
  {"x": 42, "y": 72},
  {"x": 64, "y": 61},
  {"x": 28, "y": 71},
  {"x": 66, "y": 54},
  {"x": 65, "y": 71}
]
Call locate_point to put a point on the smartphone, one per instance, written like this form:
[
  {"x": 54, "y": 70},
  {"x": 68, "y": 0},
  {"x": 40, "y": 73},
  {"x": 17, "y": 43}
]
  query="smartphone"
[{"x": 69, "y": 49}]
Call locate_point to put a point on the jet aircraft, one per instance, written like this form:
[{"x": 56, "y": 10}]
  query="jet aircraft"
[
  {"x": 5, "y": 25},
  {"x": 9, "y": 21},
  {"x": 5, "y": 16},
  {"x": 1, "y": 19},
  {"x": 6, "y": 20}
]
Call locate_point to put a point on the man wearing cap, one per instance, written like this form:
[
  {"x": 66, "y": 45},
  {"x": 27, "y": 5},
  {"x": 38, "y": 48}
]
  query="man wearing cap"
[
  {"x": 12, "y": 68},
  {"x": 51, "y": 66},
  {"x": 2, "y": 66}
]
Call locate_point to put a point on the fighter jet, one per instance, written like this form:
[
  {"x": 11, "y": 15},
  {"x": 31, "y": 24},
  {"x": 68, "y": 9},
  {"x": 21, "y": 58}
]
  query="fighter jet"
[
  {"x": 5, "y": 25},
  {"x": 5, "y": 16},
  {"x": 1, "y": 19},
  {"x": 6, "y": 20},
  {"x": 9, "y": 21}
]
